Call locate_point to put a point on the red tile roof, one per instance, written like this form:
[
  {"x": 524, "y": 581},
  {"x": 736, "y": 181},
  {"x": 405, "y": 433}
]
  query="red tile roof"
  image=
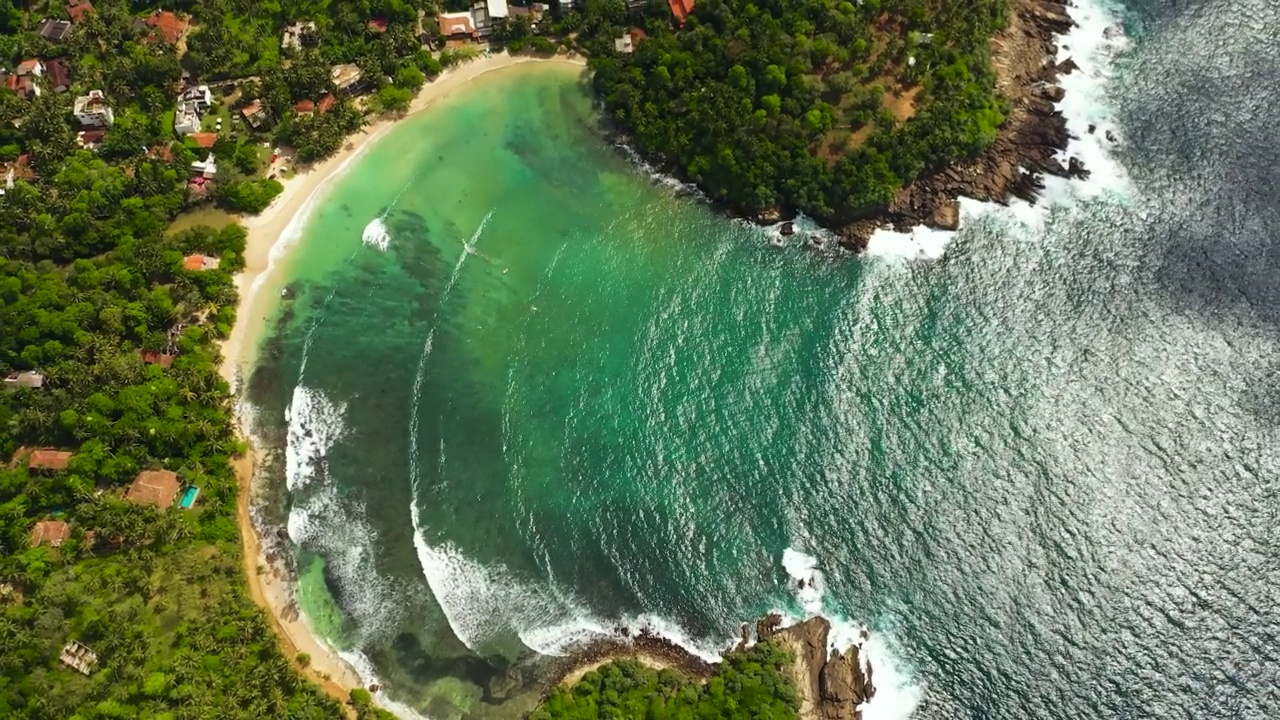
[
  {"x": 42, "y": 458},
  {"x": 77, "y": 9},
  {"x": 152, "y": 357},
  {"x": 50, "y": 532},
  {"x": 304, "y": 106},
  {"x": 459, "y": 25},
  {"x": 681, "y": 9},
  {"x": 637, "y": 35},
  {"x": 168, "y": 26},
  {"x": 160, "y": 152},
  {"x": 326, "y": 103},
  {"x": 378, "y": 25},
  {"x": 58, "y": 75},
  {"x": 205, "y": 140},
  {"x": 154, "y": 487},
  {"x": 28, "y": 66}
]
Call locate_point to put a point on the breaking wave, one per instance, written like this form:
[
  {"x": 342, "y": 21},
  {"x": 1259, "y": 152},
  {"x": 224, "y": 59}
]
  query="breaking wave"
[
  {"x": 898, "y": 693},
  {"x": 1093, "y": 45},
  {"x": 314, "y": 426},
  {"x": 376, "y": 235}
]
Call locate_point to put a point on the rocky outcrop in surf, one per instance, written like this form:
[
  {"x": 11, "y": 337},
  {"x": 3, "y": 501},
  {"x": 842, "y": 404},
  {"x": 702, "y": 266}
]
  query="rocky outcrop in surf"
[
  {"x": 1027, "y": 147},
  {"x": 832, "y": 683}
]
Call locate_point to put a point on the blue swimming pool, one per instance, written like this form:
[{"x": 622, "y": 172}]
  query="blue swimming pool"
[{"x": 188, "y": 498}]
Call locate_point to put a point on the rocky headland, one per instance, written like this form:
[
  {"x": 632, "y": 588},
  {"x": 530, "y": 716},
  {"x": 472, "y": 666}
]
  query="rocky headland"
[
  {"x": 1027, "y": 146},
  {"x": 831, "y": 683}
]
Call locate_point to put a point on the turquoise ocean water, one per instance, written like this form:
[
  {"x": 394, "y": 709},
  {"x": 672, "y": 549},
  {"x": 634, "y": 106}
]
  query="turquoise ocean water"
[{"x": 522, "y": 392}]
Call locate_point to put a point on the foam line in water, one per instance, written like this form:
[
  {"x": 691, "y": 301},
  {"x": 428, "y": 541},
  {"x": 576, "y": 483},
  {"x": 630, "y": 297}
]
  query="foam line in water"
[{"x": 315, "y": 424}]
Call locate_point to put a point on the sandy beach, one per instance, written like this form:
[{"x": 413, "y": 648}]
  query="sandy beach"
[{"x": 270, "y": 236}]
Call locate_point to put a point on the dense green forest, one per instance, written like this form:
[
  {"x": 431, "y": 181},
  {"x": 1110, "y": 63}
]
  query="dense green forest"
[
  {"x": 90, "y": 280},
  {"x": 748, "y": 685},
  {"x": 819, "y": 106}
]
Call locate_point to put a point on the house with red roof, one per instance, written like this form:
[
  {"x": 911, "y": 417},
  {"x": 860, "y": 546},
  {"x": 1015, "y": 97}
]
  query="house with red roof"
[
  {"x": 378, "y": 25},
  {"x": 680, "y": 9},
  {"x": 78, "y": 9},
  {"x": 59, "y": 76},
  {"x": 197, "y": 263},
  {"x": 167, "y": 27},
  {"x": 205, "y": 140}
]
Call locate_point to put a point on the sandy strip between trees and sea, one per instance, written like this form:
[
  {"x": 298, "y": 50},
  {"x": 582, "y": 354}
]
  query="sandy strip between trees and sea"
[{"x": 270, "y": 583}]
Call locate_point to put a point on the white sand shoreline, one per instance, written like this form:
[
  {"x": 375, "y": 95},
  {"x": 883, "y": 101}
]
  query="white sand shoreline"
[{"x": 270, "y": 237}]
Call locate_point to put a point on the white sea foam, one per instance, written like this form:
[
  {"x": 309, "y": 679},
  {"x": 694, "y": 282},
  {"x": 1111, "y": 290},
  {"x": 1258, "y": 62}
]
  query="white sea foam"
[
  {"x": 314, "y": 426},
  {"x": 810, "y": 583},
  {"x": 658, "y": 176},
  {"x": 364, "y": 668},
  {"x": 337, "y": 527},
  {"x": 805, "y": 230},
  {"x": 897, "y": 692},
  {"x": 376, "y": 235},
  {"x": 1085, "y": 102}
]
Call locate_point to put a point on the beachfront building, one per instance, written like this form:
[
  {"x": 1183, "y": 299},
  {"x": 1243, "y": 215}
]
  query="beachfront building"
[
  {"x": 154, "y": 487},
  {"x": 457, "y": 27},
  {"x": 92, "y": 110},
  {"x": 347, "y": 78},
  {"x": 26, "y": 378},
  {"x": 485, "y": 13},
  {"x": 198, "y": 263}
]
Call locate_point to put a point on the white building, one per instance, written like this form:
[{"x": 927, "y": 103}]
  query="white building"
[
  {"x": 624, "y": 45},
  {"x": 497, "y": 9},
  {"x": 92, "y": 110},
  {"x": 206, "y": 168},
  {"x": 297, "y": 35},
  {"x": 193, "y": 103},
  {"x": 29, "y": 67}
]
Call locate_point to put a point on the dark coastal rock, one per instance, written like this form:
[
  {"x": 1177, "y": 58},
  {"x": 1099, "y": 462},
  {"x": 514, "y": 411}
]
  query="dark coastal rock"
[
  {"x": 946, "y": 216},
  {"x": 1076, "y": 169},
  {"x": 1111, "y": 137},
  {"x": 1052, "y": 93},
  {"x": 768, "y": 626},
  {"x": 788, "y": 228},
  {"x": 1092, "y": 128},
  {"x": 1066, "y": 67}
]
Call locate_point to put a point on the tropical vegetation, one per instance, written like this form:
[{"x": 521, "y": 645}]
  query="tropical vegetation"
[
  {"x": 811, "y": 105},
  {"x": 748, "y": 685}
]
